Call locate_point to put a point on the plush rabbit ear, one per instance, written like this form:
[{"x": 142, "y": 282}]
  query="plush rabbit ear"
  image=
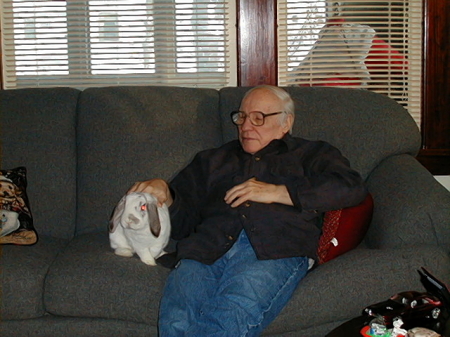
[
  {"x": 117, "y": 214},
  {"x": 155, "y": 224}
]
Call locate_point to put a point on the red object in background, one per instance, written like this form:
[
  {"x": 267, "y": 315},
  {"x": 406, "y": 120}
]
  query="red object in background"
[
  {"x": 385, "y": 57},
  {"x": 335, "y": 21}
]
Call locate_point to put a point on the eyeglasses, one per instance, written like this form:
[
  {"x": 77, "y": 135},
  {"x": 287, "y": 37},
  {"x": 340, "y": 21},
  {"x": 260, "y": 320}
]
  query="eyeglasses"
[{"x": 257, "y": 118}]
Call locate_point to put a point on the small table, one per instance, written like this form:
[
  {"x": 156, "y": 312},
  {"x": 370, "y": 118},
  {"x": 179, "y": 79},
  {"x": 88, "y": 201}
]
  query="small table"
[
  {"x": 353, "y": 327},
  {"x": 350, "y": 328}
]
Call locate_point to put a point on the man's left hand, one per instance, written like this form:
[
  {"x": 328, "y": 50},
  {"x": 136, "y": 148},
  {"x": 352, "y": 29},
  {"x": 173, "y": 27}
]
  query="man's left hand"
[{"x": 257, "y": 191}]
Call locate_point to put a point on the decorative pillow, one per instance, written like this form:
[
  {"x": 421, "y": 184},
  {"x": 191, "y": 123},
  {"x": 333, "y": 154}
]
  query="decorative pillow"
[
  {"x": 16, "y": 221},
  {"x": 344, "y": 229}
]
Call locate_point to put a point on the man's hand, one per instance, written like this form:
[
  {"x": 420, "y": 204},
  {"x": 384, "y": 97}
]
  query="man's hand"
[
  {"x": 257, "y": 191},
  {"x": 157, "y": 187}
]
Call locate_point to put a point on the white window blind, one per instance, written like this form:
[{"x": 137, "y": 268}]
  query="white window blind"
[
  {"x": 118, "y": 42},
  {"x": 374, "y": 45}
]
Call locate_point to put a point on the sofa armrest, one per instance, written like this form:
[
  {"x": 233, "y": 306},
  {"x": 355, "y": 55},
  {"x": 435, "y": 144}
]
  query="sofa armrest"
[{"x": 410, "y": 206}]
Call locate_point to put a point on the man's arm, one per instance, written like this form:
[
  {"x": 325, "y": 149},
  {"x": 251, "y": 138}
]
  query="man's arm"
[
  {"x": 330, "y": 184},
  {"x": 258, "y": 191}
]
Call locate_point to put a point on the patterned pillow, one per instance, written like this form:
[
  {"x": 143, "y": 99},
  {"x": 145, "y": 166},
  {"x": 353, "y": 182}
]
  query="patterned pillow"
[
  {"x": 344, "y": 229},
  {"x": 16, "y": 221}
]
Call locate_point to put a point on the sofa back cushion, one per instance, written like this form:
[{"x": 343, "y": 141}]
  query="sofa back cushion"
[
  {"x": 38, "y": 132},
  {"x": 129, "y": 134},
  {"x": 367, "y": 127}
]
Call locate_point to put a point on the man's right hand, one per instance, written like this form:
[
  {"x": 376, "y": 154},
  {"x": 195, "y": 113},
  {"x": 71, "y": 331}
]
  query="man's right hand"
[{"x": 157, "y": 187}]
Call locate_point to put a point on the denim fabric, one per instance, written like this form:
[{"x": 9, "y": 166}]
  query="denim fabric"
[{"x": 238, "y": 295}]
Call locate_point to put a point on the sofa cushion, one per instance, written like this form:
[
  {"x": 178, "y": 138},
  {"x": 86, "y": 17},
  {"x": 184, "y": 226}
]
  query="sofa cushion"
[
  {"x": 129, "y": 134},
  {"x": 89, "y": 280},
  {"x": 367, "y": 127},
  {"x": 411, "y": 207},
  {"x": 22, "y": 274},
  {"x": 37, "y": 130},
  {"x": 56, "y": 326}
]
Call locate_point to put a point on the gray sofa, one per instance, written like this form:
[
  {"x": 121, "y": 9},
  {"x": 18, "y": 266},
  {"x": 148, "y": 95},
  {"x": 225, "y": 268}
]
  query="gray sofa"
[{"x": 84, "y": 149}]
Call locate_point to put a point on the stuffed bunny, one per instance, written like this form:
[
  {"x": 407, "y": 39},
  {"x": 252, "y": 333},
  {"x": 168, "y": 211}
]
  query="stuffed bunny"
[{"x": 139, "y": 226}]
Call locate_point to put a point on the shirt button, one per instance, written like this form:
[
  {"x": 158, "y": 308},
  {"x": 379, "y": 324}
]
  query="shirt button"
[
  {"x": 244, "y": 216},
  {"x": 252, "y": 229},
  {"x": 229, "y": 237},
  {"x": 257, "y": 158},
  {"x": 247, "y": 204}
]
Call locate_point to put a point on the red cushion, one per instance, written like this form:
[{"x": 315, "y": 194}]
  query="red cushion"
[
  {"x": 344, "y": 229},
  {"x": 384, "y": 56}
]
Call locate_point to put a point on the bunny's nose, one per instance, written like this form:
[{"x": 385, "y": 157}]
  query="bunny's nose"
[{"x": 132, "y": 220}]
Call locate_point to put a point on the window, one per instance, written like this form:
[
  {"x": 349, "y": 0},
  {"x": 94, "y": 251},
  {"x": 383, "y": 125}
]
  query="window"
[
  {"x": 374, "y": 45},
  {"x": 118, "y": 42}
]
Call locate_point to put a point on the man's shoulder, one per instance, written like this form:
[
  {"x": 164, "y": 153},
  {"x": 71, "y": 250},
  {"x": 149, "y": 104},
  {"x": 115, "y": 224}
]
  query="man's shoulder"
[
  {"x": 227, "y": 148},
  {"x": 310, "y": 145},
  {"x": 303, "y": 142},
  {"x": 230, "y": 146}
]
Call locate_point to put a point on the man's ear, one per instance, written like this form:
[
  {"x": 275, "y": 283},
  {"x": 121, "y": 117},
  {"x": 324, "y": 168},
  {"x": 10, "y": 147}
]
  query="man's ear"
[{"x": 288, "y": 123}]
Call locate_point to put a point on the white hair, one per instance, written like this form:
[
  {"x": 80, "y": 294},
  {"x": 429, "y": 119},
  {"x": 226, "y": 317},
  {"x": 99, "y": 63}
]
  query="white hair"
[{"x": 283, "y": 96}]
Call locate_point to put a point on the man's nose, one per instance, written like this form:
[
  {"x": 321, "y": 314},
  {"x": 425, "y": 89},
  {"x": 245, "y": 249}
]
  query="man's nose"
[{"x": 247, "y": 124}]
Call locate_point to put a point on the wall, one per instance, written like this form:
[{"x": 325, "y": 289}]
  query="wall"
[{"x": 444, "y": 180}]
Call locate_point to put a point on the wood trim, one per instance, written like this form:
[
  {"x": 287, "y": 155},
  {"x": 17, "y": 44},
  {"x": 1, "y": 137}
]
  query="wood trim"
[
  {"x": 436, "y": 161},
  {"x": 435, "y": 126},
  {"x": 256, "y": 40}
]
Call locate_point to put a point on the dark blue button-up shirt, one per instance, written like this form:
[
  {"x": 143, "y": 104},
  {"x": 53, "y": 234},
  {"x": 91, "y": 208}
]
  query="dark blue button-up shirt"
[{"x": 318, "y": 178}]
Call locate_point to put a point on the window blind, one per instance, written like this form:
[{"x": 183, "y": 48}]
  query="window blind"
[
  {"x": 118, "y": 42},
  {"x": 374, "y": 45}
]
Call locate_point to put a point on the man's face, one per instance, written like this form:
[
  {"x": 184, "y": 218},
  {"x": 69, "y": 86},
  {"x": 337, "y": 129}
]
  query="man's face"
[{"x": 254, "y": 138}]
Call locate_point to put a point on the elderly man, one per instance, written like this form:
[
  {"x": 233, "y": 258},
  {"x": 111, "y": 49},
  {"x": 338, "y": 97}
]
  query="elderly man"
[{"x": 247, "y": 220}]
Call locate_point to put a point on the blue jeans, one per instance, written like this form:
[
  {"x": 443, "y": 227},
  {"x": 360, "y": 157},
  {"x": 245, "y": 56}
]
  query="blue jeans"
[{"x": 238, "y": 295}]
